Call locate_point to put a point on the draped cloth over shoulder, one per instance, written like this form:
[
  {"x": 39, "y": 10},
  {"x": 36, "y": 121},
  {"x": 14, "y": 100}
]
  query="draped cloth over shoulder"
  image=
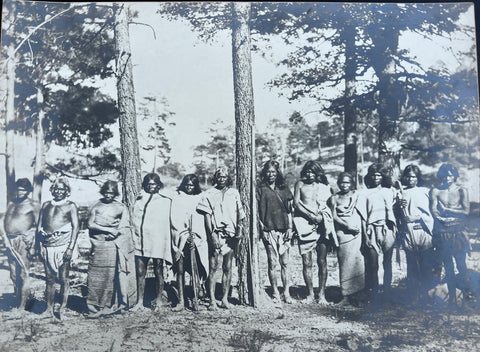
[
  {"x": 112, "y": 268},
  {"x": 186, "y": 222},
  {"x": 309, "y": 233},
  {"x": 376, "y": 208},
  {"x": 152, "y": 226},
  {"x": 420, "y": 236},
  {"x": 350, "y": 259},
  {"x": 225, "y": 207}
]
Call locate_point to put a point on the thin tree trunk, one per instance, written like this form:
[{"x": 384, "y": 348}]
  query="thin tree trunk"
[
  {"x": 9, "y": 123},
  {"x": 39, "y": 169},
  {"x": 388, "y": 107},
  {"x": 247, "y": 258},
  {"x": 350, "y": 123},
  {"x": 131, "y": 175}
]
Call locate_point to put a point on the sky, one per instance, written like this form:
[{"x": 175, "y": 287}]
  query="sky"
[{"x": 196, "y": 78}]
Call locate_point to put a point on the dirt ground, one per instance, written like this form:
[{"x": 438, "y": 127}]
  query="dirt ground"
[{"x": 391, "y": 325}]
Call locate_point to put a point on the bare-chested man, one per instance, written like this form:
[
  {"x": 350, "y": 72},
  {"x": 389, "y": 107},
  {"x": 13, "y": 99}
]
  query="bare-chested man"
[
  {"x": 450, "y": 205},
  {"x": 20, "y": 224},
  {"x": 314, "y": 224},
  {"x": 57, "y": 236}
]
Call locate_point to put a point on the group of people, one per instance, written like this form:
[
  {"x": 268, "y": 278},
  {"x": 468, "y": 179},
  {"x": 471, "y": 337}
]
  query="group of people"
[{"x": 191, "y": 229}]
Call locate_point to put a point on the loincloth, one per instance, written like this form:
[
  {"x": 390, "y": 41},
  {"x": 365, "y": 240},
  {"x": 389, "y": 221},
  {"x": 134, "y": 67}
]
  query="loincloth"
[
  {"x": 451, "y": 240},
  {"x": 53, "y": 257},
  {"x": 226, "y": 241},
  {"x": 57, "y": 238},
  {"x": 22, "y": 242},
  {"x": 417, "y": 240},
  {"x": 384, "y": 237},
  {"x": 276, "y": 240}
]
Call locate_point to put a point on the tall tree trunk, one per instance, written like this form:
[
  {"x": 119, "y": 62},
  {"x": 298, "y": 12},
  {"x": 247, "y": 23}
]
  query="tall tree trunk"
[
  {"x": 388, "y": 107},
  {"x": 350, "y": 122},
  {"x": 245, "y": 149},
  {"x": 131, "y": 175},
  {"x": 9, "y": 123},
  {"x": 39, "y": 169}
]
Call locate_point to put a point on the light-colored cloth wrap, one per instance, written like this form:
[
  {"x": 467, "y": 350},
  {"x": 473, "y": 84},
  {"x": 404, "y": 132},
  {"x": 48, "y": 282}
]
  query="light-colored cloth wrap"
[
  {"x": 186, "y": 220},
  {"x": 350, "y": 259},
  {"x": 309, "y": 233},
  {"x": 224, "y": 207},
  {"x": 151, "y": 216}
]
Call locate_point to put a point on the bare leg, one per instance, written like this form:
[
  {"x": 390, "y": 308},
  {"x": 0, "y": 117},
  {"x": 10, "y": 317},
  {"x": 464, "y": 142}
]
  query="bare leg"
[
  {"x": 387, "y": 270},
  {"x": 213, "y": 261},
  {"x": 450, "y": 276},
  {"x": 226, "y": 277},
  {"x": 159, "y": 282},
  {"x": 180, "y": 286},
  {"x": 272, "y": 268},
  {"x": 322, "y": 271},
  {"x": 141, "y": 271},
  {"x": 50, "y": 291},
  {"x": 15, "y": 277},
  {"x": 307, "y": 275},
  {"x": 63, "y": 272},
  {"x": 462, "y": 272},
  {"x": 371, "y": 268},
  {"x": 284, "y": 259}
]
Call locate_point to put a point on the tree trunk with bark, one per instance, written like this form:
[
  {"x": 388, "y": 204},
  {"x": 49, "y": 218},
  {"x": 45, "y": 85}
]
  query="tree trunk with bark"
[
  {"x": 247, "y": 256},
  {"x": 388, "y": 105},
  {"x": 9, "y": 123},
  {"x": 131, "y": 175},
  {"x": 10, "y": 76},
  {"x": 350, "y": 122},
  {"x": 39, "y": 168}
]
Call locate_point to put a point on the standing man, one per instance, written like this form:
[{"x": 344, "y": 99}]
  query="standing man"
[
  {"x": 313, "y": 222},
  {"x": 450, "y": 206},
  {"x": 152, "y": 239},
  {"x": 57, "y": 236},
  {"x": 20, "y": 226},
  {"x": 275, "y": 217},
  {"x": 223, "y": 212}
]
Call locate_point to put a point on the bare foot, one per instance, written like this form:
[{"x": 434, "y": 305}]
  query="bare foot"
[
  {"x": 139, "y": 307},
  {"x": 308, "y": 300},
  {"x": 225, "y": 304},
  {"x": 288, "y": 299},
  {"x": 213, "y": 306},
  {"x": 276, "y": 298},
  {"x": 322, "y": 301},
  {"x": 178, "y": 308}
]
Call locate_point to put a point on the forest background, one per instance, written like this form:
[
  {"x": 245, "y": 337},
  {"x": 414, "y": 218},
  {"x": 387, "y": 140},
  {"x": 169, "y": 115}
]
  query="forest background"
[{"x": 397, "y": 79}]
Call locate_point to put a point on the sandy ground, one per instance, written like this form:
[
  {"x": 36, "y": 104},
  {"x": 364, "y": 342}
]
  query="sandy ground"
[{"x": 384, "y": 325}]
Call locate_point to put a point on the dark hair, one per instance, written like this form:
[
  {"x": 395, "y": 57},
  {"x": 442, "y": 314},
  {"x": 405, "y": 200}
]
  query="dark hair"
[
  {"x": 64, "y": 182},
  {"x": 350, "y": 176},
  {"x": 110, "y": 186},
  {"x": 24, "y": 183},
  {"x": 280, "y": 180},
  {"x": 416, "y": 170},
  {"x": 377, "y": 168},
  {"x": 195, "y": 181},
  {"x": 219, "y": 171},
  {"x": 149, "y": 177},
  {"x": 317, "y": 169},
  {"x": 445, "y": 169}
]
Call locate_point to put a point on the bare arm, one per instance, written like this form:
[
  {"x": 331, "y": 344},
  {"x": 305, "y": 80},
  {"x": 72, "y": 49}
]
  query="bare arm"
[
  {"x": 298, "y": 204},
  {"x": 464, "y": 209},
  {"x": 74, "y": 219},
  {"x": 93, "y": 225}
]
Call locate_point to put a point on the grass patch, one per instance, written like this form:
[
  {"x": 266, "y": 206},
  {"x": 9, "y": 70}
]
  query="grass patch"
[{"x": 252, "y": 340}]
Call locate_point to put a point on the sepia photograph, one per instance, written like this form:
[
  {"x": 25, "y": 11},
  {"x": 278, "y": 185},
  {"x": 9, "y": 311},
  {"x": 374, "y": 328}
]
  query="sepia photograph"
[{"x": 239, "y": 176}]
